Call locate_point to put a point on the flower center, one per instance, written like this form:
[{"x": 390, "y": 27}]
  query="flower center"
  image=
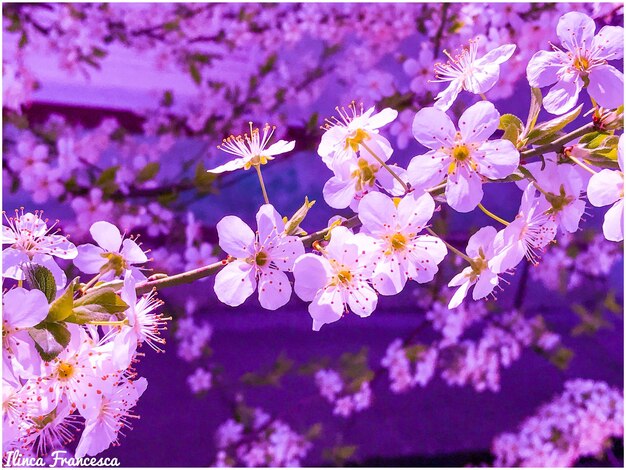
[
  {"x": 65, "y": 370},
  {"x": 115, "y": 263},
  {"x": 398, "y": 242},
  {"x": 558, "y": 201},
  {"x": 460, "y": 153},
  {"x": 261, "y": 258},
  {"x": 344, "y": 277},
  {"x": 356, "y": 139},
  {"x": 365, "y": 175},
  {"x": 581, "y": 63}
]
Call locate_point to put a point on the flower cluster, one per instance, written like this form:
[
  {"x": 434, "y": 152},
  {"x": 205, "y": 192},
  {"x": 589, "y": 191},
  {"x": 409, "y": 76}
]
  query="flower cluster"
[
  {"x": 69, "y": 349},
  {"x": 332, "y": 387},
  {"x": 580, "y": 422},
  {"x": 255, "y": 439}
]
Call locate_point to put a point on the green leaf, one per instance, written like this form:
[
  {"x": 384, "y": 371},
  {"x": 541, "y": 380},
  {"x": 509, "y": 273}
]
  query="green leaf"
[
  {"x": 536, "y": 99},
  {"x": 195, "y": 73},
  {"x": 339, "y": 454},
  {"x": 512, "y": 127},
  {"x": 106, "y": 180},
  {"x": 552, "y": 126},
  {"x": 41, "y": 278},
  {"x": 61, "y": 308},
  {"x": 50, "y": 339},
  {"x": 562, "y": 357},
  {"x": 105, "y": 298},
  {"x": 203, "y": 180},
  {"x": 292, "y": 227},
  {"x": 148, "y": 172},
  {"x": 282, "y": 365},
  {"x": 88, "y": 313}
]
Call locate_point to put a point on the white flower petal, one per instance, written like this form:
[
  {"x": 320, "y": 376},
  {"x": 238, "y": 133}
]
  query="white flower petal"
[
  {"x": 90, "y": 259},
  {"x": 464, "y": 191},
  {"x": 563, "y": 96},
  {"x": 575, "y": 30},
  {"x": 362, "y": 299},
  {"x": 606, "y": 86},
  {"x": 482, "y": 79},
  {"x": 326, "y": 307},
  {"x": 445, "y": 98},
  {"x": 425, "y": 171},
  {"x": 377, "y": 212},
  {"x": 232, "y": 165},
  {"x": 235, "y": 283},
  {"x": 605, "y": 187},
  {"x": 609, "y": 42},
  {"x": 500, "y": 158},
  {"x": 235, "y": 237},
  {"x": 543, "y": 68},
  {"x": 479, "y": 122},
  {"x": 311, "y": 273},
  {"x": 24, "y": 308},
  {"x": 339, "y": 193},
  {"x": 132, "y": 252},
  {"x": 274, "y": 289},
  {"x": 106, "y": 235},
  {"x": 613, "y": 226},
  {"x": 433, "y": 128},
  {"x": 279, "y": 147}
]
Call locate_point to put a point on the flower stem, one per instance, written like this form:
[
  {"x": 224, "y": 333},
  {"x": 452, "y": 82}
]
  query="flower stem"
[
  {"x": 559, "y": 143},
  {"x": 90, "y": 283},
  {"x": 386, "y": 167},
  {"x": 482, "y": 95},
  {"x": 492, "y": 215},
  {"x": 453, "y": 249},
  {"x": 258, "y": 172},
  {"x": 582, "y": 165}
]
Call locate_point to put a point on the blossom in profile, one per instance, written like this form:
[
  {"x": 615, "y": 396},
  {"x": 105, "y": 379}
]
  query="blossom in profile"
[
  {"x": 582, "y": 63},
  {"x": 251, "y": 149},
  {"x": 461, "y": 158},
  {"x": 480, "y": 273},
  {"x": 530, "y": 232},
  {"x": 468, "y": 72},
  {"x": 338, "y": 280},
  {"x": 355, "y": 133},
  {"x": 607, "y": 187},
  {"x": 113, "y": 256},
  {"x": 259, "y": 259},
  {"x": 401, "y": 251}
]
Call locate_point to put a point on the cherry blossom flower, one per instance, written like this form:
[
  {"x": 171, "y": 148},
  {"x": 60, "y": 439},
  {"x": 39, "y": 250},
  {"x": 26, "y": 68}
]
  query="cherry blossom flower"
[
  {"x": 401, "y": 253},
  {"x": 113, "y": 256},
  {"x": 529, "y": 233},
  {"x": 105, "y": 420},
  {"x": 337, "y": 280},
  {"x": 561, "y": 186},
  {"x": 31, "y": 240},
  {"x": 355, "y": 178},
  {"x": 250, "y": 149},
  {"x": 464, "y": 157},
  {"x": 607, "y": 187},
  {"x": 200, "y": 381},
  {"x": 468, "y": 72},
  {"x": 480, "y": 248},
  {"x": 262, "y": 258},
  {"x": 355, "y": 131},
  {"x": 582, "y": 64},
  {"x": 79, "y": 374}
]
